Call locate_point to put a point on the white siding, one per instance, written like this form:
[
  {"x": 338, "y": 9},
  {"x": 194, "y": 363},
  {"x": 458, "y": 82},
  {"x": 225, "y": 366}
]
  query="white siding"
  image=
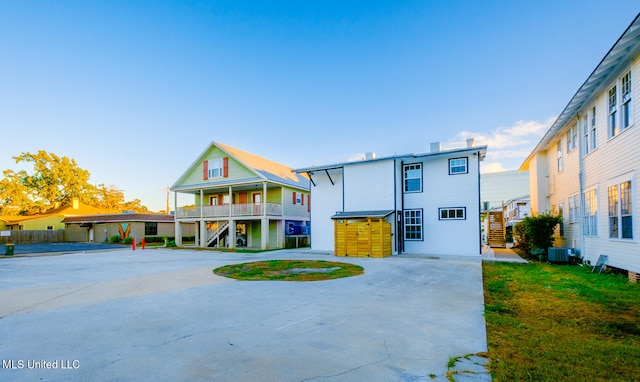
[
  {"x": 326, "y": 200},
  {"x": 614, "y": 160},
  {"x": 369, "y": 186},
  {"x": 440, "y": 190}
]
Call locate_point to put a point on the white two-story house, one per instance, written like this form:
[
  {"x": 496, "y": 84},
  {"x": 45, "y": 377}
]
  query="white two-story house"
[
  {"x": 586, "y": 166},
  {"x": 428, "y": 203},
  {"x": 242, "y": 200}
]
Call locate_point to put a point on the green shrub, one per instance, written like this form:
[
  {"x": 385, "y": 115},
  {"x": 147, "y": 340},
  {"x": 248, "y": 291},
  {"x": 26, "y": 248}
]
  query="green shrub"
[
  {"x": 171, "y": 243},
  {"x": 127, "y": 240},
  {"x": 538, "y": 233},
  {"x": 114, "y": 239}
]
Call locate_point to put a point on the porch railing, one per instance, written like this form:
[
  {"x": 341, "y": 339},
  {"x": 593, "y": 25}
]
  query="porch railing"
[{"x": 237, "y": 210}]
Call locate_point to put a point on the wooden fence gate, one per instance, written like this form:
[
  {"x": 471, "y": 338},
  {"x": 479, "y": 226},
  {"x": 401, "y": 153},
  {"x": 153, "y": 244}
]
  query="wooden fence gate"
[
  {"x": 362, "y": 238},
  {"x": 496, "y": 236}
]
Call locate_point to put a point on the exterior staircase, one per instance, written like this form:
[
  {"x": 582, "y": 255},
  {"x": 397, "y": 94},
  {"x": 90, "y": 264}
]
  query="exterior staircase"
[{"x": 214, "y": 238}]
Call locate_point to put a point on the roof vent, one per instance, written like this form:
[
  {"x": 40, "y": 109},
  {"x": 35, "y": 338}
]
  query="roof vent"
[
  {"x": 435, "y": 147},
  {"x": 471, "y": 142},
  {"x": 370, "y": 155}
]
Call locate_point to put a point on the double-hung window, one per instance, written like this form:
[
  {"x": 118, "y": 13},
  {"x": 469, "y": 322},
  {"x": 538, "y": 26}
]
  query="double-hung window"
[
  {"x": 613, "y": 111},
  {"x": 625, "y": 107},
  {"x": 620, "y": 211},
  {"x": 585, "y": 136},
  {"x": 590, "y": 213},
  {"x": 413, "y": 224},
  {"x": 559, "y": 156},
  {"x": 412, "y": 174},
  {"x": 215, "y": 168},
  {"x": 574, "y": 209},
  {"x": 572, "y": 138},
  {"x": 594, "y": 137},
  {"x": 458, "y": 166}
]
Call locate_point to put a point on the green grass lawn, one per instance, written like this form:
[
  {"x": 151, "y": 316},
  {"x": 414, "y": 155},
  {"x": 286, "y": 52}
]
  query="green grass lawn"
[
  {"x": 289, "y": 270},
  {"x": 561, "y": 323}
]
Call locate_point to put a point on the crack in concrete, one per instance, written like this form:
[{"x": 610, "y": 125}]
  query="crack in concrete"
[{"x": 354, "y": 368}]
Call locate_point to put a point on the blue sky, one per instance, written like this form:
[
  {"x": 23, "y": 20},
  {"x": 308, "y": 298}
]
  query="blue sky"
[{"x": 134, "y": 91}]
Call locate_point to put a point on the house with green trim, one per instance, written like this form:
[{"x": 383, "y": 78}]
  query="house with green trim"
[{"x": 242, "y": 200}]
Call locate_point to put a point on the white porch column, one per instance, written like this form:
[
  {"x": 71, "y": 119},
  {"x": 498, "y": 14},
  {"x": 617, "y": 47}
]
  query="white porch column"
[
  {"x": 178, "y": 232},
  {"x": 265, "y": 221},
  {"x": 232, "y": 233},
  {"x": 203, "y": 233},
  {"x": 264, "y": 234}
]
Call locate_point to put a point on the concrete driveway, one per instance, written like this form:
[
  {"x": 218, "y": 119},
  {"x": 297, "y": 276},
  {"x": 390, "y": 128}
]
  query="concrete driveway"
[{"x": 162, "y": 314}]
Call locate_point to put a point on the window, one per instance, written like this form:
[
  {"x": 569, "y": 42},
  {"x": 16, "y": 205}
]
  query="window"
[
  {"x": 626, "y": 213},
  {"x": 620, "y": 211},
  {"x": 594, "y": 138},
  {"x": 561, "y": 214},
  {"x": 574, "y": 209},
  {"x": 613, "y": 211},
  {"x": 560, "y": 158},
  {"x": 150, "y": 229},
  {"x": 572, "y": 137},
  {"x": 625, "y": 109},
  {"x": 613, "y": 127},
  {"x": 455, "y": 213},
  {"x": 458, "y": 166},
  {"x": 413, "y": 177},
  {"x": 413, "y": 224},
  {"x": 215, "y": 168},
  {"x": 585, "y": 136},
  {"x": 590, "y": 214},
  {"x": 225, "y": 199}
]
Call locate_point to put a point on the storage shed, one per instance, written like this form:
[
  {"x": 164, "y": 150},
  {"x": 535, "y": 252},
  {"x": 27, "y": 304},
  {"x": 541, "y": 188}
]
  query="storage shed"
[{"x": 362, "y": 233}]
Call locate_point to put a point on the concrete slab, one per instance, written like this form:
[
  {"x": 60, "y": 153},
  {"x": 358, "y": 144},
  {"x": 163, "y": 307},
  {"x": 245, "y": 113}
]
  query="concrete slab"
[{"x": 163, "y": 315}]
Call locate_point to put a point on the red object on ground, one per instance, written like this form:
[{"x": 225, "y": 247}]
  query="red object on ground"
[
  {"x": 142, "y": 242},
  {"x": 133, "y": 243}
]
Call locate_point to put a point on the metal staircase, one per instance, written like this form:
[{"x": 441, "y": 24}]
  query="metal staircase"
[{"x": 214, "y": 238}]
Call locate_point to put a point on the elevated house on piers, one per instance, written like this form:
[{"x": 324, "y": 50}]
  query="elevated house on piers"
[{"x": 242, "y": 200}]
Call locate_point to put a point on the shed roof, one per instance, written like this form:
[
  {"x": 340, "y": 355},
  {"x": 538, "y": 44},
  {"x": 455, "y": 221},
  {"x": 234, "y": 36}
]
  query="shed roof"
[
  {"x": 482, "y": 150},
  {"x": 114, "y": 218},
  {"x": 362, "y": 214}
]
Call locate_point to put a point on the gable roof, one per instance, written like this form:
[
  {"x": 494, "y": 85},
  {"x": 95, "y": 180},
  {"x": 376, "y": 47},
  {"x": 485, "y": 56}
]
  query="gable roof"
[
  {"x": 263, "y": 168},
  {"x": 618, "y": 57}
]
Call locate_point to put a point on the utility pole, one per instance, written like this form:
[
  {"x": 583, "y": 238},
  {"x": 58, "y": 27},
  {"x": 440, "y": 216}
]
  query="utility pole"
[{"x": 168, "y": 211}]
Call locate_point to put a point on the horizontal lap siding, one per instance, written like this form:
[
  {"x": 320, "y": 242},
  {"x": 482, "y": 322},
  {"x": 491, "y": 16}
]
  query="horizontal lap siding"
[
  {"x": 615, "y": 160},
  {"x": 326, "y": 199},
  {"x": 369, "y": 186},
  {"x": 440, "y": 190}
]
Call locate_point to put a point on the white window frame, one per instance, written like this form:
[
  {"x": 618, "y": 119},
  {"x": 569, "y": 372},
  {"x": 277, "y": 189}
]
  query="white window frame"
[
  {"x": 413, "y": 219},
  {"x": 585, "y": 136},
  {"x": 452, "y": 213},
  {"x": 572, "y": 138},
  {"x": 626, "y": 106},
  {"x": 574, "y": 208},
  {"x": 416, "y": 168},
  {"x": 560, "y": 156},
  {"x": 458, "y": 166},
  {"x": 590, "y": 213},
  {"x": 612, "y": 107},
  {"x": 214, "y": 168},
  {"x": 594, "y": 130},
  {"x": 620, "y": 207}
]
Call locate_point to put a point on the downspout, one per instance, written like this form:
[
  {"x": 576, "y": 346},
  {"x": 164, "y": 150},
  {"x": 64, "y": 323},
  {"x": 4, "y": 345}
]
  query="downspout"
[
  {"x": 479, "y": 210},
  {"x": 581, "y": 186},
  {"x": 401, "y": 225},
  {"x": 343, "y": 188},
  {"x": 395, "y": 205}
]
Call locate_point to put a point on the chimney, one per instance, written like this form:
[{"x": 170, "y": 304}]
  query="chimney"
[
  {"x": 76, "y": 203},
  {"x": 435, "y": 147},
  {"x": 370, "y": 155},
  {"x": 470, "y": 142}
]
